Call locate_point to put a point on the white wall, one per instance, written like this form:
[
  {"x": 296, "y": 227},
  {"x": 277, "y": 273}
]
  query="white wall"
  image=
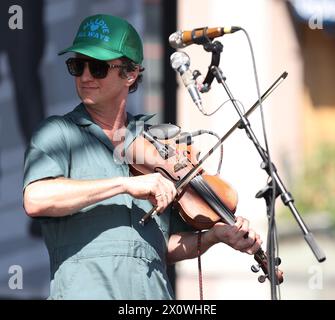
[{"x": 227, "y": 272}]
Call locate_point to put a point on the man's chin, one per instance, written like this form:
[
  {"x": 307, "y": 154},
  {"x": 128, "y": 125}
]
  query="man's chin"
[{"x": 88, "y": 101}]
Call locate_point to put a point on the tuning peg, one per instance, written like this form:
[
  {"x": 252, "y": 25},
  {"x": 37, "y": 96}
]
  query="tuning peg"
[
  {"x": 255, "y": 268},
  {"x": 277, "y": 261},
  {"x": 262, "y": 278}
]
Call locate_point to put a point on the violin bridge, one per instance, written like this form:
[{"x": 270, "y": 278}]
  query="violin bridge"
[{"x": 180, "y": 165}]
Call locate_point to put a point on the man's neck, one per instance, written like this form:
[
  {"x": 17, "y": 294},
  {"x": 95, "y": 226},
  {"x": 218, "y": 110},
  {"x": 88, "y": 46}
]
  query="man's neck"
[
  {"x": 109, "y": 118},
  {"x": 112, "y": 121}
]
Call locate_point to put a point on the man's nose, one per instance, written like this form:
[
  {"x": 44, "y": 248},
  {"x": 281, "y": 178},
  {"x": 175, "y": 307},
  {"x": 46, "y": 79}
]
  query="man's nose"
[{"x": 86, "y": 76}]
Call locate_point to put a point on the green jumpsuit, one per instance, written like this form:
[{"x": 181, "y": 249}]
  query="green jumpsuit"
[{"x": 100, "y": 252}]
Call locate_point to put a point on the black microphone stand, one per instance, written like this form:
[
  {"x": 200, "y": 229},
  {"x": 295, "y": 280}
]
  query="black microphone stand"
[{"x": 275, "y": 186}]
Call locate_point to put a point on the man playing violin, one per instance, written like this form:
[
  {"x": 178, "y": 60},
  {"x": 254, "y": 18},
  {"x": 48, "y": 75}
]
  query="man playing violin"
[{"x": 86, "y": 200}]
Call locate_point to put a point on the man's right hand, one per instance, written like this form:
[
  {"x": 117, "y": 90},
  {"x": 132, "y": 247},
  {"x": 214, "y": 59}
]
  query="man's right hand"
[{"x": 157, "y": 189}]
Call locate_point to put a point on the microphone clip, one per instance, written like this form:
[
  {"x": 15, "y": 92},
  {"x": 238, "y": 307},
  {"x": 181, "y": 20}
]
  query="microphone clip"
[
  {"x": 203, "y": 38},
  {"x": 216, "y": 48}
]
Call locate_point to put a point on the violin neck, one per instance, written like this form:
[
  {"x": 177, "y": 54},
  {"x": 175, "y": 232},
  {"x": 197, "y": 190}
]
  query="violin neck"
[{"x": 227, "y": 216}]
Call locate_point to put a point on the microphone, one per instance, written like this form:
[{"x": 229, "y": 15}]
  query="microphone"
[
  {"x": 180, "y": 62},
  {"x": 182, "y": 39}
]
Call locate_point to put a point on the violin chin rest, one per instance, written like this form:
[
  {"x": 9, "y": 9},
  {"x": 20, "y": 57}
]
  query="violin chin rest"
[{"x": 164, "y": 131}]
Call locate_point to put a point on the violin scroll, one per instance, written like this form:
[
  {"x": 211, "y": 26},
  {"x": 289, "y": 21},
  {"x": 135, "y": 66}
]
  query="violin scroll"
[{"x": 262, "y": 261}]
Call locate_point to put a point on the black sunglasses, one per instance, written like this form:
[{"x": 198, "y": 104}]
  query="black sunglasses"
[{"x": 98, "y": 69}]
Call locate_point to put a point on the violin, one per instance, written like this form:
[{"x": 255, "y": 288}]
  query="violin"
[{"x": 202, "y": 200}]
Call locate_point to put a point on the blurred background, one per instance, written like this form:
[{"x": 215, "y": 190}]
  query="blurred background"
[{"x": 297, "y": 36}]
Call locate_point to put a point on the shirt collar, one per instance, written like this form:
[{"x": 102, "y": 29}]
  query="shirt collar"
[
  {"x": 135, "y": 125},
  {"x": 81, "y": 117}
]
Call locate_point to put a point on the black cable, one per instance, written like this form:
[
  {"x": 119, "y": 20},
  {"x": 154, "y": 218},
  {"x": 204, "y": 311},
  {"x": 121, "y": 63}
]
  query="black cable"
[
  {"x": 189, "y": 135},
  {"x": 203, "y": 131},
  {"x": 220, "y": 106},
  {"x": 272, "y": 248}
]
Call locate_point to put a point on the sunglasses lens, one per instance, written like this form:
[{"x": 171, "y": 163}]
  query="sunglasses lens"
[
  {"x": 98, "y": 69},
  {"x": 75, "y": 66}
]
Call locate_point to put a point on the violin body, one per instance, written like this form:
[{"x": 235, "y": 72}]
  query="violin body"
[
  {"x": 191, "y": 205},
  {"x": 205, "y": 200},
  {"x": 197, "y": 212}
]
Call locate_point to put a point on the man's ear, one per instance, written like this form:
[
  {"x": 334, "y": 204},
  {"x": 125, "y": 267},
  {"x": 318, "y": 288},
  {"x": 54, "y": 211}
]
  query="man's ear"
[{"x": 132, "y": 76}]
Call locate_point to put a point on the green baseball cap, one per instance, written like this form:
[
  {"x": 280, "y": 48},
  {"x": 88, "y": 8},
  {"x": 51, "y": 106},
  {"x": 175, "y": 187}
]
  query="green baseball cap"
[{"x": 106, "y": 37}]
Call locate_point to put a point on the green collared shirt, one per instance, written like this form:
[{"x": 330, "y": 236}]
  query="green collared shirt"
[{"x": 101, "y": 252}]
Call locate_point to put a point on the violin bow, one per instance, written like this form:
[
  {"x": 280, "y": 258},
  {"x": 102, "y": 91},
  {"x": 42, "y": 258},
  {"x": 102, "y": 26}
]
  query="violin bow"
[{"x": 195, "y": 170}]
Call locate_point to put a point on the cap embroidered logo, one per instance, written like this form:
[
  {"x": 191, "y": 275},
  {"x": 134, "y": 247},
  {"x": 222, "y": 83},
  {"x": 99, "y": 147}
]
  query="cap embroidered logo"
[{"x": 91, "y": 30}]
